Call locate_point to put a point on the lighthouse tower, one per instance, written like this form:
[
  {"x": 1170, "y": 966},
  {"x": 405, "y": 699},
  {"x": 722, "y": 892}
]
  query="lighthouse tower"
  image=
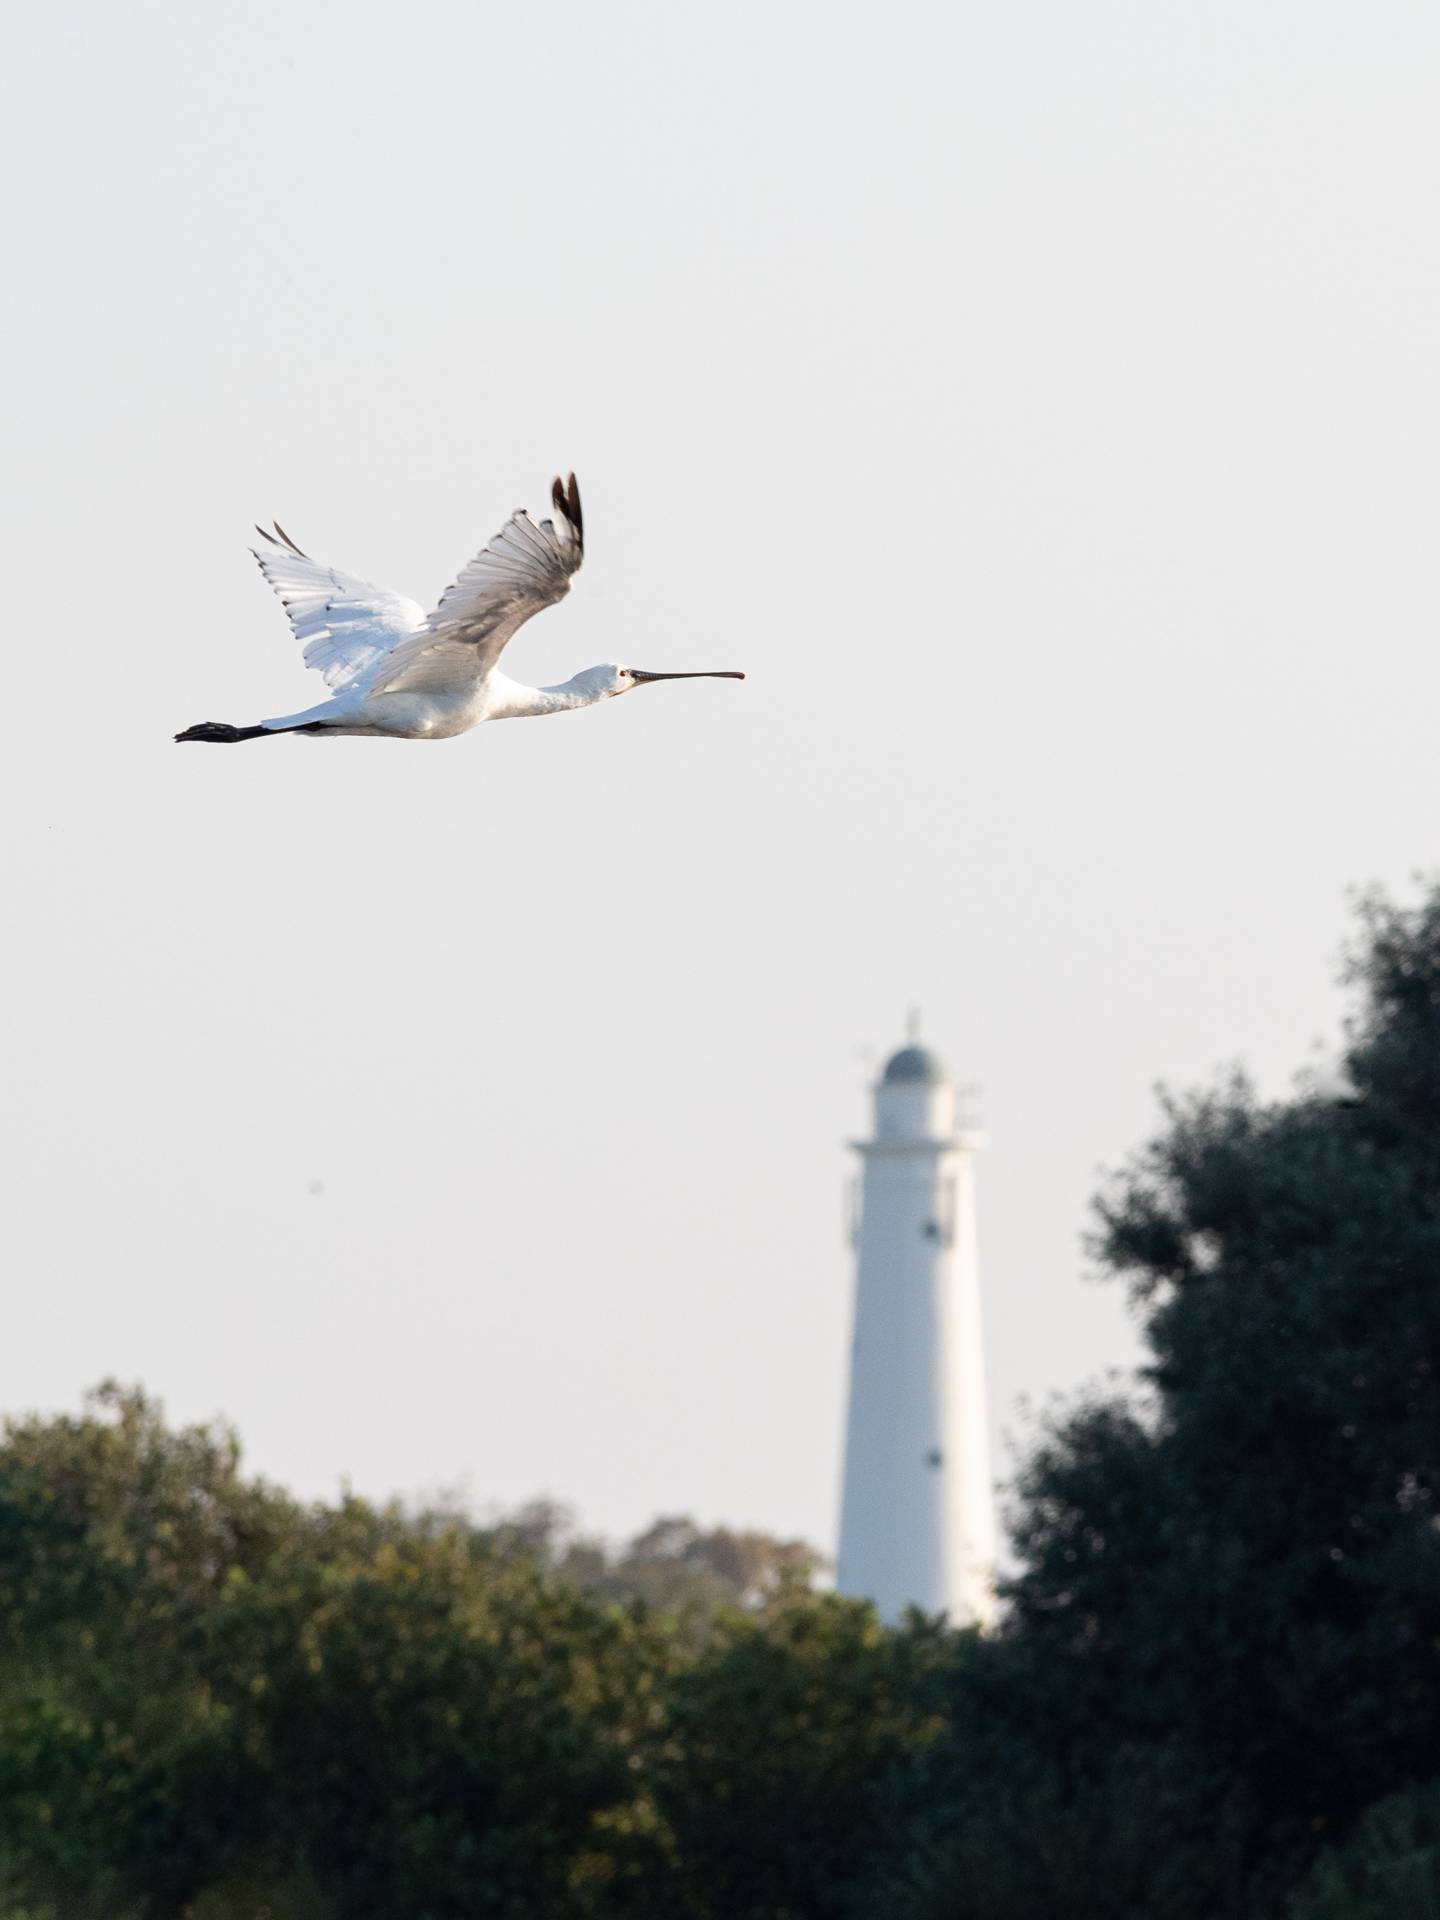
[{"x": 917, "y": 1524}]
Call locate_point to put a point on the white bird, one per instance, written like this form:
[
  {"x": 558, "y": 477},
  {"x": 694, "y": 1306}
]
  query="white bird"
[{"x": 397, "y": 671}]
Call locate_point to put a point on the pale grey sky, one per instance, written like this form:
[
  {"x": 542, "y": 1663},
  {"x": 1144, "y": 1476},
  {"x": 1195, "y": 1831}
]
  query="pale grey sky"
[{"x": 1039, "y": 400}]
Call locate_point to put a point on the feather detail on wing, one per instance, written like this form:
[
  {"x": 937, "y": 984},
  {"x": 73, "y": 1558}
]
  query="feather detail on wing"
[
  {"x": 345, "y": 625},
  {"x": 525, "y": 568}
]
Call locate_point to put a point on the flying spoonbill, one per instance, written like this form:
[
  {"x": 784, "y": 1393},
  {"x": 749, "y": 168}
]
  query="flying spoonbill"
[{"x": 396, "y": 671}]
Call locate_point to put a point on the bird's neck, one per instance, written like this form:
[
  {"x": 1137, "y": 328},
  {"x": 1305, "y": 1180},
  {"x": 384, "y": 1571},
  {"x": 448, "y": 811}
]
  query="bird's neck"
[{"x": 516, "y": 701}]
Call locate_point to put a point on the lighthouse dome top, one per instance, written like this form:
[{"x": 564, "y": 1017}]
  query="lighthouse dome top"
[{"x": 915, "y": 1064}]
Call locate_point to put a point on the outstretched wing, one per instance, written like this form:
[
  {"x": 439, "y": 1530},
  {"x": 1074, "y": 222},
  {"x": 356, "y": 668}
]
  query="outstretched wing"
[
  {"x": 526, "y": 567},
  {"x": 345, "y": 625}
]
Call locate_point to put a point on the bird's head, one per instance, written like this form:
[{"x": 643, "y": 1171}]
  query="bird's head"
[{"x": 605, "y": 682}]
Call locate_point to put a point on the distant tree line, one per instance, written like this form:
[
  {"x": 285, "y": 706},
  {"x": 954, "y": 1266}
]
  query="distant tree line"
[{"x": 1215, "y": 1694}]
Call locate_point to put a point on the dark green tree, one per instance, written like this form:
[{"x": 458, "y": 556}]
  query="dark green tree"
[
  {"x": 1230, "y": 1584},
  {"x": 210, "y": 1695},
  {"x": 779, "y": 1741},
  {"x": 120, "y": 1773},
  {"x": 1389, "y": 1867}
]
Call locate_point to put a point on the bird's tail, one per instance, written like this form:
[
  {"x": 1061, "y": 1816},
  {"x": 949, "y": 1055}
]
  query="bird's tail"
[{"x": 221, "y": 733}]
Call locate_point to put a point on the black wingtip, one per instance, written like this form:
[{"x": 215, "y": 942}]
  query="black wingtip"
[
  {"x": 284, "y": 541},
  {"x": 299, "y": 552},
  {"x": 570, "y": 504}
]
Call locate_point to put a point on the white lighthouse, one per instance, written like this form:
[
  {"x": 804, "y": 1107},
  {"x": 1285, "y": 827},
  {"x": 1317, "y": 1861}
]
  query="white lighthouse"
[{"x": 917, "y": 1523}]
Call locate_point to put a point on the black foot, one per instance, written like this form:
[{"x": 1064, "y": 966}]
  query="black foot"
[{"x": 219, "y": 732}]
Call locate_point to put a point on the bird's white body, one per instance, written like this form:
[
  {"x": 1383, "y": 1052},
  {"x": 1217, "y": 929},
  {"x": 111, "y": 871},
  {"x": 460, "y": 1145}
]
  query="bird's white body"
[
  {"x": 397, "y": 672},
  {"x": 917, "y": 1524},
  {"x": 439, "y": 716}
]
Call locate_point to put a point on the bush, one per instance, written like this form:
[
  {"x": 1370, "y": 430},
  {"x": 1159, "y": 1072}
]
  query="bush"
[{"x": 1388, "y": 1870}]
